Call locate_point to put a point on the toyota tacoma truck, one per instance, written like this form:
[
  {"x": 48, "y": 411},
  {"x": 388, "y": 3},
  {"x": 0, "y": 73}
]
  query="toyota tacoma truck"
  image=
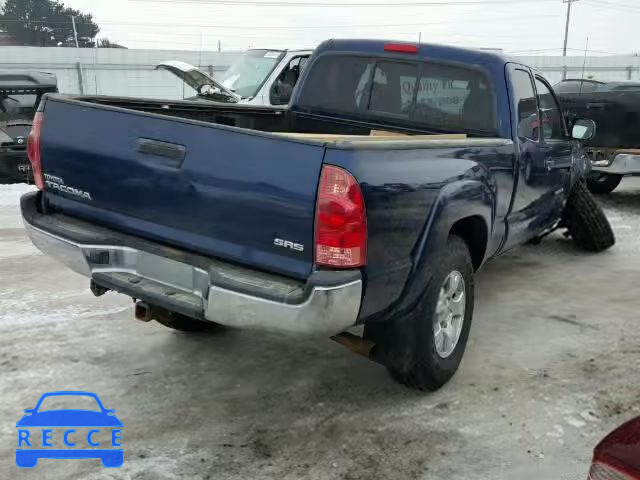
[{"x": 397, "y": 171}]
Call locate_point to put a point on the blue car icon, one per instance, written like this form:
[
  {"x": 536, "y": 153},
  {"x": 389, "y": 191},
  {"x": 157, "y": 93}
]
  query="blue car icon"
[{"x": 36, "y": 418}]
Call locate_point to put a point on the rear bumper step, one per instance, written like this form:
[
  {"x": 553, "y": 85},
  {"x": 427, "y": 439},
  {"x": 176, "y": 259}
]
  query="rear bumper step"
[{"x": 199, "y": 287}]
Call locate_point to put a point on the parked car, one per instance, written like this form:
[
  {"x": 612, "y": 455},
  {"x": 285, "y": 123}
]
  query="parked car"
[
  {"x": 20, "y": 94},
  {"x": 617, "y": 457},
  {"x": 615, "y": 106},
  {"x": 394, "y": 175},
  {"x": 260, "y": 77}
]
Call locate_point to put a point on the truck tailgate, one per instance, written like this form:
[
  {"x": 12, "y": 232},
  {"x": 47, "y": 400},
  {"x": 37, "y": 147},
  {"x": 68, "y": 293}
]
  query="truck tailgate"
[{"x": 216, "y": 190}]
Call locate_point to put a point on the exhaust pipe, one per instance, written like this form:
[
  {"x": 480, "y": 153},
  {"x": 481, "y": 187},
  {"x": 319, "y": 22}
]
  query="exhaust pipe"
[
  {"x": 361, "y": 346},
  {"x": 142, "y": 311}
]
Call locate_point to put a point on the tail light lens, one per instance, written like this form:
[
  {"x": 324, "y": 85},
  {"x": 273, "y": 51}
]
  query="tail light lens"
[
  {"x": 603, "y": 471},
  {"x": 33, "y": 150},
  {"x": 341, "y": 221}
]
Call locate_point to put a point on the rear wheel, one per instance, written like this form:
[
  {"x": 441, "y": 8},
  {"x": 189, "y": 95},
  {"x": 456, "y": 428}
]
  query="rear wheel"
[
  {"x": 602, "y": 183},
  {"x": 424, "y": 350},
  {"x": 586, "y": 222}
]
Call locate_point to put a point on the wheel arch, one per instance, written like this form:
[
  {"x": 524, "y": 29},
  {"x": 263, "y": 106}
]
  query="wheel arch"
[
  {"x": 475, "y": 233},
  {"x": 461, "y": 208}
]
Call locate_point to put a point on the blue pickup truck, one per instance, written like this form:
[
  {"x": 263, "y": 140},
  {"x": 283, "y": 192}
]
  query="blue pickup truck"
[{"x": 395, "y": 173}]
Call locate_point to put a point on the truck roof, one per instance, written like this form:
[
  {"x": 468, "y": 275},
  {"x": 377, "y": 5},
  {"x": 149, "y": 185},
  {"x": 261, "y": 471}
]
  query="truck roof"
[{"x": 424, "y": 50}]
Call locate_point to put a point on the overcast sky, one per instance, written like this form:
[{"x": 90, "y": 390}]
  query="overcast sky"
[{"x": 517, "y": 26}]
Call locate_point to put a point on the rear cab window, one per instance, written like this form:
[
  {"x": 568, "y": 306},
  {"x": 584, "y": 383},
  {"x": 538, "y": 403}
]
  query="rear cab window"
[{"x": 420, "y": 95}]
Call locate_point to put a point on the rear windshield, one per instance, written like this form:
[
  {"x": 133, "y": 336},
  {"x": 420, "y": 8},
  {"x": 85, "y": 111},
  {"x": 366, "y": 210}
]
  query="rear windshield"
[{"x": 431, "y": 94}]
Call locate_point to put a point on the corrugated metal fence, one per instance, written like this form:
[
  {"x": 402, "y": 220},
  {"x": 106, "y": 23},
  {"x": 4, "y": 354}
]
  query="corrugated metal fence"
[
  {"x": 131, "y": 73},
  {"x": 113, "y": 71}
]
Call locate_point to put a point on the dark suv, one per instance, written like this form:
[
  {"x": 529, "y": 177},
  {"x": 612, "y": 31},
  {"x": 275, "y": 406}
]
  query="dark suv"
[{"x": 20, "y": 94}]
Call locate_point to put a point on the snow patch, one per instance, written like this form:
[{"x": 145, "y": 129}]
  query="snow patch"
[
  {"x": 10, "y": 194},
  {"x": 11, "y": 249},
  {"x": 575, "y": 422}
]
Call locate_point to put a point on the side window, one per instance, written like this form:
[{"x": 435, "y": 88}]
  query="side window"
[
  {"x": 455, "y": 98},
  {"x": 337, "y": 83},
  {"x": 525, "y": 99},
  {"x": 282, "y": 88},
  {"x": 552, "y": 124},
  {"x": 393, "y": 87}
]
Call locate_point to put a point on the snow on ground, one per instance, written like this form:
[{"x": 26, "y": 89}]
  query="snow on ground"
[
  {"x": 10, "y": 204},
  {"x": 10, "y": 194}
]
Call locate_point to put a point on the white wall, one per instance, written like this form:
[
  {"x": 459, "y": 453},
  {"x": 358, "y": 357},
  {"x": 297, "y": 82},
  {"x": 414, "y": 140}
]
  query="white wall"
[{"x": 107, "y": 71}]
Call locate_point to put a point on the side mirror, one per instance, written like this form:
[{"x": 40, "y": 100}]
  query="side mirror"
[
  {"x": 583, "y": 129},
  {"x": 28, "y": 410},
  {"x": 110, "y": 411}
]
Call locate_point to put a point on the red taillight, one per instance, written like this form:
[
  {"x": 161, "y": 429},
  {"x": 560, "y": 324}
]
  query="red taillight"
[
  {"x": 603, "y": 471},
  {"x": 33, "y": 150},
  {"x": 400, "y": 48},
  {"x": 341, "y": 221}
]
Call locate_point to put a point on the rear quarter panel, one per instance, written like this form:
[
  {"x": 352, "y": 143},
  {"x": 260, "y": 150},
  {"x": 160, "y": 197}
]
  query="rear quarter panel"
[{"x": 413, "y": 198}]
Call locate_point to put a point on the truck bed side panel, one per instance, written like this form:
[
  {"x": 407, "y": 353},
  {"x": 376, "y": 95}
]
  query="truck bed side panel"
[{"x": 403, "y": 186}]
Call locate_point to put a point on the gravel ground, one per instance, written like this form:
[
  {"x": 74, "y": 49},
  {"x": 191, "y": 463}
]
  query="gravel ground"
[{"x": 552, "y": 365}]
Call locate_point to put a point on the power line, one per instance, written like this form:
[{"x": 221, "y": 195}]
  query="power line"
[
  {"x": 284, "y": 27},
  {"x": 274, "y": 3}
]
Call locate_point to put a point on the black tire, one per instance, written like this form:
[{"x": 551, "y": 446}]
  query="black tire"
[
  {"x": 603, "y": 183},
  {"x": 586, "y": 222},
  {"x": 183, "y": 323},
  {"x": 410, "y": 351}
]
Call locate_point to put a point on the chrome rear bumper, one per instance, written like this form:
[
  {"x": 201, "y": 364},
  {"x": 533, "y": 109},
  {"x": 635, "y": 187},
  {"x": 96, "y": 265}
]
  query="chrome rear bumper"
[{"x": 327, "y": 304}]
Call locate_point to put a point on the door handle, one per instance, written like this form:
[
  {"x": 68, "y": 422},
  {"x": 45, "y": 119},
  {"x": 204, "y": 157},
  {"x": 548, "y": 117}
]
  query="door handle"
[{"x": 170, "y": 154}]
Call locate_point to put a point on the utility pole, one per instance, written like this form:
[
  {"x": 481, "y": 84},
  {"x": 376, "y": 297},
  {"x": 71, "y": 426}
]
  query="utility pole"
[
  {"x": 566, "y": 34},
  {"x": 75, "y": 32},
  {"x": 78, "y": 64}
]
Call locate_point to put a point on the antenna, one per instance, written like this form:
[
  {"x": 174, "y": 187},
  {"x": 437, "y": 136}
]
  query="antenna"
[{"x": 584, "y": 64}]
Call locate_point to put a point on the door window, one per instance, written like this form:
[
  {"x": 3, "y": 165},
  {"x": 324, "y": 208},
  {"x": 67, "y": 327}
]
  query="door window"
[
  {"x": 552, "y": 124},
  {"x": 527, "y": 105},
  {"x": 282, "y": 88}
]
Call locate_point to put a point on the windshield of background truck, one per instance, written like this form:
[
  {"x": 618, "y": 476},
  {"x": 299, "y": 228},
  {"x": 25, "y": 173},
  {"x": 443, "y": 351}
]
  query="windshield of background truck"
[{"x": 247, "y": 75}]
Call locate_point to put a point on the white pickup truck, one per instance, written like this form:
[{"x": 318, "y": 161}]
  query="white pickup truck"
[{"x": 259, "y": 77}]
